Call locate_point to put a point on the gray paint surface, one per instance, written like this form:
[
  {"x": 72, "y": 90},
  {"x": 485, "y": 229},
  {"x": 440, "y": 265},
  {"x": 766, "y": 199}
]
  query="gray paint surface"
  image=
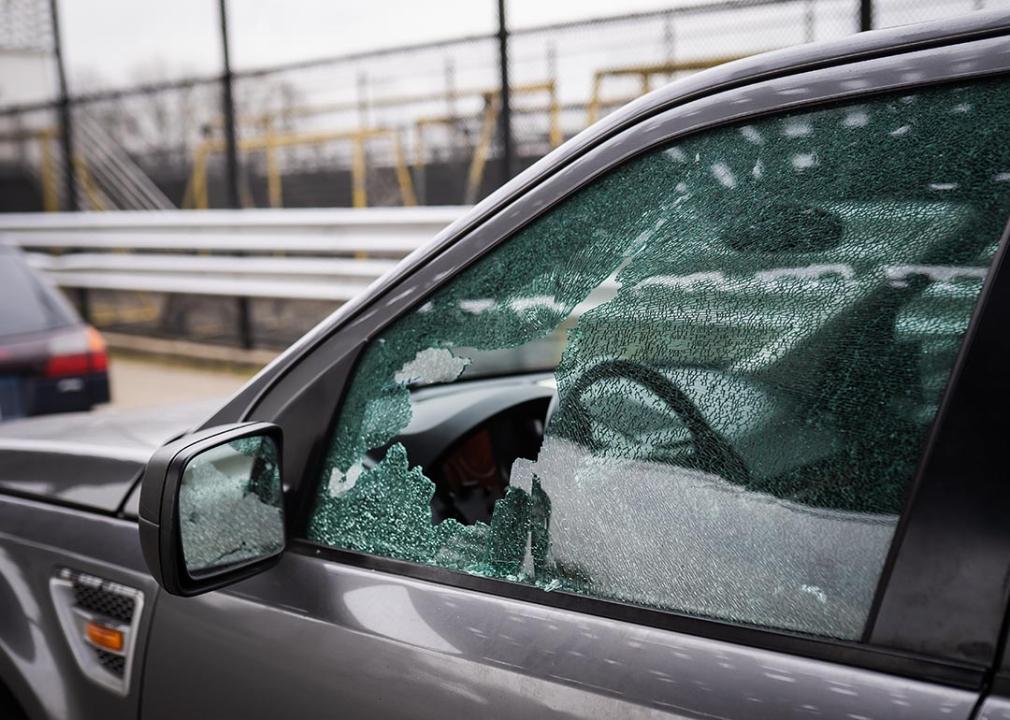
[
  {"x": 36, "y": 662},
  {"x": 311, "y": 638},
  {"x": 88, "y": 459}
]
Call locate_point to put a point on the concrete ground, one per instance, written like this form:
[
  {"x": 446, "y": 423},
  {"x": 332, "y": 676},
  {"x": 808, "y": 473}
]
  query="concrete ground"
[{"x": 143, "y": 382}]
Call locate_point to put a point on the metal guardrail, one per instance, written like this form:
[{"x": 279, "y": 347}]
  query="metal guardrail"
[{"x": 290, "y": 254}]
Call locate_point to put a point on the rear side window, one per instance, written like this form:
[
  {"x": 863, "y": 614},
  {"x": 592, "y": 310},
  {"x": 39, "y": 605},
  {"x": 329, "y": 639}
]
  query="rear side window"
[
  {"x": 752, "y": 328},
  {"x": 27, "y": 305}
]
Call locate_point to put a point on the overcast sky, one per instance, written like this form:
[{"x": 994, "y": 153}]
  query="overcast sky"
[{"x": 118, "y": 42}]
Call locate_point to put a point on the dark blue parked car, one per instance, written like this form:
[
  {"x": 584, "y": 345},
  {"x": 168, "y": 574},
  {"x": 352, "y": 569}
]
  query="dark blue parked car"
[{"x": 50, "y": 360}]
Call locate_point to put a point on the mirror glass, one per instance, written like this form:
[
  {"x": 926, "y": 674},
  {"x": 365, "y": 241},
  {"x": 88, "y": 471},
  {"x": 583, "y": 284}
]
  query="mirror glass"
[{"x": 230, "y": 505}]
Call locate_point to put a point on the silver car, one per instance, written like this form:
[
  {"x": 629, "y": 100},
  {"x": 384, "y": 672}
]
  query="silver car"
[{"x": 699, "y": 417}]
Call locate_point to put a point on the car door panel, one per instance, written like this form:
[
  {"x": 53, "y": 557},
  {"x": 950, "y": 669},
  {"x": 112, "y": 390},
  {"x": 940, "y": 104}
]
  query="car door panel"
[{"x": 315, "y": 638}]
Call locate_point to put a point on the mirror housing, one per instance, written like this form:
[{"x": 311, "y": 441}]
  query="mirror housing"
[{"x": 162, "y": 537}]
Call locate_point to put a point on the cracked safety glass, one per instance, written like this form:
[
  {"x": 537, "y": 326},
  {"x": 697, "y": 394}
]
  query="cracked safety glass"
[
  {"x": 230, "y": 506},
  {"x": 701, "y": 384}
]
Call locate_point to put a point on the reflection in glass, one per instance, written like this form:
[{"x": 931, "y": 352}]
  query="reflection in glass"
[{"x": 230, "y": 505}]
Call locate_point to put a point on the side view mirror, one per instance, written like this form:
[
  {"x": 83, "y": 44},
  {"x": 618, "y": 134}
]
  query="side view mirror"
[{"x": 212, "y": 507}]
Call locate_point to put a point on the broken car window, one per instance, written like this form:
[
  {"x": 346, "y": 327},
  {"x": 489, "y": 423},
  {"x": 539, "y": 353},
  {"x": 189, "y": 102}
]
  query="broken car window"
[{"x": 751, "y": 330}]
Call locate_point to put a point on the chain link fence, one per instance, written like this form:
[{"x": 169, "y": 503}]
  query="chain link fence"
[{"x": 401, "y": 126}]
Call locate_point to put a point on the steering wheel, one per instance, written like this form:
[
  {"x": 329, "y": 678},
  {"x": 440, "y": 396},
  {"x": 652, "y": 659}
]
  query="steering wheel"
[{"x": 712, "y": 451}]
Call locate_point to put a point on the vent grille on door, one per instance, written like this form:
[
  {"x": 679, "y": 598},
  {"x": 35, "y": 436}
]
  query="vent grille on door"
[
  {"x": 100, "y": 619},
  {"x": 115, "y": 664},
  {"x": 104, "y": 602}
]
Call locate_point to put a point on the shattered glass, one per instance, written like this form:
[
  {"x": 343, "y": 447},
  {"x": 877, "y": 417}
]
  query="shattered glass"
[
  {"x": 230, "y": 504},
  {"x": 759, "y": 322}
]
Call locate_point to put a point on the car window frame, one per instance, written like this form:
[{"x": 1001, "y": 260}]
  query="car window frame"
[{"x": 888, "y": 645}]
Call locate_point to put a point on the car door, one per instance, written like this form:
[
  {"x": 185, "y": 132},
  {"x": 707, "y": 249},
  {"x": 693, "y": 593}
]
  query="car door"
[{"x": 767, "y": 486}]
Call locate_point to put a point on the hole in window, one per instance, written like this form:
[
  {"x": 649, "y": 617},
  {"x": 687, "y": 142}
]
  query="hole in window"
[{"x": 701, "y": 384}]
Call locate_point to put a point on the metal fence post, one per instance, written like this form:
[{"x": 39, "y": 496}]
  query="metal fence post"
[
  {"x": 66, "y": 129},
  {"x": 245, "y": 333},
  {"x": 508, "y": 159},
  {"x": 668, "y": 39},
  {"x": 808, "y": 21},
  {"x": 865, "y": 15},
  {"x": 228, "y": 102}
]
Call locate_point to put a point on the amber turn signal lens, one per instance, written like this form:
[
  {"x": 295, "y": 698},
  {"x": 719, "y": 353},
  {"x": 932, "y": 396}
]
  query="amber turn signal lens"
[{"x": 104, "y": 637}]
